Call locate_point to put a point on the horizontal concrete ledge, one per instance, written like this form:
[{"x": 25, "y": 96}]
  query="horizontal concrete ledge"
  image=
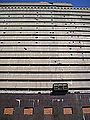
[
  {"x": 47, "y": 90},
  {"x": 37, "y": 3},
  {"x": 43, "y": 85},
  {"x": 40, "y": 91}
]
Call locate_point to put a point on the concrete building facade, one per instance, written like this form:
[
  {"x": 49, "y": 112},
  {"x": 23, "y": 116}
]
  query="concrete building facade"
[{"x": 42, "y": 44}]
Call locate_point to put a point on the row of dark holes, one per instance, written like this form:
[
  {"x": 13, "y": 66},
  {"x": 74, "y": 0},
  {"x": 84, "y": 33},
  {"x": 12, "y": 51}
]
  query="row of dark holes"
[
  {"x": 42, "y": 7},
  {"x": 49, "y": 32},
  {"x": 50, "y": 16},
  {"x": 37, "y": 42},
  {"x": 41, "y": 30},
  {"x": 55, "y": 37},
  {"x": 52, "y": 22}
]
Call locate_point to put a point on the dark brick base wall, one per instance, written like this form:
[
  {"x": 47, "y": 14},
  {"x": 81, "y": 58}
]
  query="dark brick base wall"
[{"x": 39, "y": 101}]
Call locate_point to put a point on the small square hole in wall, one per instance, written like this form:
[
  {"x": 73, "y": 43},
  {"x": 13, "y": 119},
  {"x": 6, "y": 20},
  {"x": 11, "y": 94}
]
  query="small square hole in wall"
[
  {"x": 28, "y": 111},
  {"x": 48, "y": 111},
  {"x": 8, "y": 111},
  {"x": 67, "y": 111},
  {"x": 86, "y": 110}
]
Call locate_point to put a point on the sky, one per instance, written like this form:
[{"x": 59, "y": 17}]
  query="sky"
[{"x": 76, "y": 3}]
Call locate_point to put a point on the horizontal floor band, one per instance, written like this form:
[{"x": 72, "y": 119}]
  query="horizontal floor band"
[
  {"x": 78, "y": 18},
  {"x": 44, "y": 80},
  {"x": 44, "y": 35},
  {"x": 44, "y": 68},
  {"x": 82, "y": 26},
  {"x": 45, "y": 76},
  {"x": 85, "y": 64},
  {"x": 22, "y": 21},
  {"x": 45, "y": 57},
  {"x": 47, "y": 10},
  {"x": 81, "y": 40},
  {"x": 44, "y": 72},
  {"x": 45, "y": 30},
  {"x": 36, "y": 45},
  {"x": 48, "y": 51},
  {"x": 41, "y": 84},
  {"x": 40, "y": 89},
  {"x": 44, "y": 13}
]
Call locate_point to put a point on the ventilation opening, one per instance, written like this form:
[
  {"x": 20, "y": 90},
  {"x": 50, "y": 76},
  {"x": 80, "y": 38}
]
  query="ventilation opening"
[
  {"x": 67, "y": 111},
  {"x": 8, "y": 111},
  {"x": 28, "y": 111},
  {"x": 48, "y": 111},
  {"x": 86, "y": 110}
]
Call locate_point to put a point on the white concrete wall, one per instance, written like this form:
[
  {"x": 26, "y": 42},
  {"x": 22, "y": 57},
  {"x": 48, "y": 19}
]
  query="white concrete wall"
[{"x": 39, "y": 45}]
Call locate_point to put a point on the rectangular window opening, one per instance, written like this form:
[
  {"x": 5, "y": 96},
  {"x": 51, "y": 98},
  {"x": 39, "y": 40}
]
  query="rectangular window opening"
[
  {"x": 86, "y": 110},
  {"x": 48, "y": 111},
  {"x": 8, "y": 111},
  {"x": 67, "y": 111},
  {"x": 28, "y": 111}
]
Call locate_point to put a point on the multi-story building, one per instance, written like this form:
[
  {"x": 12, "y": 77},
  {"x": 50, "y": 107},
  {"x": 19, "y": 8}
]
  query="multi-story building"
[{"x": 42, "y": 44}]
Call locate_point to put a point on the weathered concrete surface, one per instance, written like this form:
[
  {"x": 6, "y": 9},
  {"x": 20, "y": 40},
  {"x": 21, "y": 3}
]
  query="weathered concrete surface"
[{"x": 44, "y": 41}]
